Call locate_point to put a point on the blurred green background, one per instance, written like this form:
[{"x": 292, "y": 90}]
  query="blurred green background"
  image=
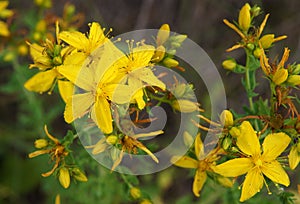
[{"x": 23, "y": 114}]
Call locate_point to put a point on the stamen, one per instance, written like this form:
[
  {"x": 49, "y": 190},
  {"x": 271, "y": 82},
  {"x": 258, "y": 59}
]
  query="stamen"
[{"x": 208, "y": 120}]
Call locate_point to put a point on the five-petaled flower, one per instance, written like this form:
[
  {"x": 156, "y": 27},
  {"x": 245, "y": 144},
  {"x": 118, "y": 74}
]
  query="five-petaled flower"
[{"x": 256, "y": 162}]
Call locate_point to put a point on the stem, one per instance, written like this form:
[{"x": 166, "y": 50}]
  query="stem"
[{"x": 249, "y": 86}]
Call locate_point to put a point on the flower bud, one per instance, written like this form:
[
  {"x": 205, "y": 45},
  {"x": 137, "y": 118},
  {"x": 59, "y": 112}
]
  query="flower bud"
[
  {"x": 163, "y": 34},
  {"x": 235, "y": 132},
  {"x": 250, "y": 46},
  {"x": 23, "y": 50},
  {"x": 40, "y": 143},
  {"x": 41, "y": 26},
  {"x": 229, "y": 64},
  {"x": 64, "y": 177},
  {"x": 245, "y": 17},
  {"x": 257, "y": 52},
  {"x": 255, "y": 11},
  {"x": 57, "y": 60},
  {"x": 266, "y": 40},
  {"x": 226, "y": 118},
  {"x": 111, "y": 139},
  {"x": 187, "y": 139},
  {"x": 294, "y": 80},
  {"x": 280, "y": 76},
  {"x": 179, "y": 38},
  {"x": 226, "y": 143},
  {"x": 185, "y": 106},
  {"x": 135, "y": 192},
  {"x": 226, "y": 182},
  {"x": 79, "y": 175},
  {"x": 145, "y": 201},
  {"x": 169, "y": 62},
  {"x": 296, "y": 69},
  {"x": 159, "y": 54},
  {"x": 70, "y": 9}
]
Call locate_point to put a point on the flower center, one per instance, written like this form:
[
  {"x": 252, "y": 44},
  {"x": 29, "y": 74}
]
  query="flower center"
[{"x": 258, "y": 162}]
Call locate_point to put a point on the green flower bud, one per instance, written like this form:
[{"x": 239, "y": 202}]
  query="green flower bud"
[
  {"x": 79, "y": 175},
  {"x": 255, "y": 11},
  {"x": 185, "y": 106},
  {"x": 112, "y": 139},
  {"x": 250, "y": 46},
  {"x": 235, "y": 132},
  {"x": 266, "y": 40},
  {"x": 169, "y": 62},
  {"x": 257, "y": 52},
  {"x": 294, "y": 80},
  {"x": 226, "y": 143}
]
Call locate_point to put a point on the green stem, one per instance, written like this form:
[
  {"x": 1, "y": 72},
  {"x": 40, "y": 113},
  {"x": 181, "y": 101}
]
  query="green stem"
[{"x": 249, "y": 86}]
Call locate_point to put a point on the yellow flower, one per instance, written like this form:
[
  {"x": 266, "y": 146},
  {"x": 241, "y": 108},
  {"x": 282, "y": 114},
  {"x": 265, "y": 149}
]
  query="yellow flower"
[
  {"x": 255, "y": 163},
  {"x": 99, "y": 85},
  {"x": 135, "y": 70},
  {"x": 229, "y": 64},
  {"x": 294, "y": 156},
  {"x": 277, "y": 73},
  {"x": 56, "y": 150},
  {"x": 47, "y": 58},
  {"x": 4, "y": 13},
  {"x": 203, "y": 164},
  {"x": 81, "y": 42},
  {"x": 131, "y": 143},
  {"x": 251, "y": 38}
]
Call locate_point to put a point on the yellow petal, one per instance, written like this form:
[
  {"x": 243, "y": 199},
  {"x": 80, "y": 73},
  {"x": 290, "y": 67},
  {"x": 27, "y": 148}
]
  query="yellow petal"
[
  {"x": 199, "y": 180},
  {"x": 274, "y": 144},
  {"x": 284, "y": 58},
  {"x": 163, "y": 34},
  {"x": 101, "y": 115},
  {"x": 41, "y": 82},
  {"x": 119, "y": 93},
  {"x": 75, "y": 39},
  {"x": 294, "y": 157},
  {"x": 199, "y": 148},
  {"x": 248, "y": 141},
  {"x": 253, "y": 184},
  {"x": 262, "y": 25},
  {"x": 96, "y": 36},
  {"x": 234, "y": 167},
  {"x": 66, "y": 89},
  {"x": 147, "y": 76},
  {"x": 100, "y": 146},
  {"x": 233, "y": 27},
  {"x": 139, "y": 99},
  {"x": 77, "y": 106},
  {"x": 142, "y": 55},
  {"x": 185, "y": 162},
  {"x": 73, "y": 70},
  {"x": 274, "y": 171},
  {"x": 4, "y": 29}
]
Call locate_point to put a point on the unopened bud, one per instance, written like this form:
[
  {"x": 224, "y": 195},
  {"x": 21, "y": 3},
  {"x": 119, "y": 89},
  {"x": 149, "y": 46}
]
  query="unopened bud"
[
  {"x": 296, "y": 69},
  {"x": 135, "y": 192},
  {"x": 79, "y": 175},
  {"x": 40, "y": 143},
  {"x": 23, "y": 50},
  {"x": 145, "y": 201},
  {"x": 245, "y": 17},
  {"x": 112, "y": 139},
  {"x": 235, "y": 132},
  {"x": 266, "y": 40},
  {"x": 257, "y": 52},
  {"x": 57, "y": 60},
  {"x": 226, "y": 182},
  {"x": 280, "y": 76},
  {"x": 70, "y": 9},
  {"x": 41, "y": 26},
  {"x": 187, "y": 139},
  {"x": 250, "y": 46},
  {"x": 255, "y": 11},
  {"x": 185, "y": 106},
  {"x": 226, "y": 143},
  {"x": 294, "y": 80},
  {"x": 226, "y": 118},
  {"x": 229, "y": 64},
  {"x": 163, "y": 34},
  {"x": 179, "y": 38},
  {"x": 169, "y": 62},
  {"x": 64, "y": 177}
]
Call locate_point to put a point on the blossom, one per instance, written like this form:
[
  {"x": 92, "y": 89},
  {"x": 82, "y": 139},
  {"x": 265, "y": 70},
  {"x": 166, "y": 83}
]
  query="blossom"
[
  {"x": 47, "y": 58},
  {"x": 131, "y": 144},
  {"x": 203, "y": 164},
  {"x": 255, "y": 163},
  {"x": 4, "y": 13},
  {"x": 277, "y": 73}
]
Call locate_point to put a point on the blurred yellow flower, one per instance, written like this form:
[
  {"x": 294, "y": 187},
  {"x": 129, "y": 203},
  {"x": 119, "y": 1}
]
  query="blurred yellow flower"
[
  {"x": 4, "y": 13},
  {"x": 255, "y": 163},
  {"x": 203, "y": 164}
]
